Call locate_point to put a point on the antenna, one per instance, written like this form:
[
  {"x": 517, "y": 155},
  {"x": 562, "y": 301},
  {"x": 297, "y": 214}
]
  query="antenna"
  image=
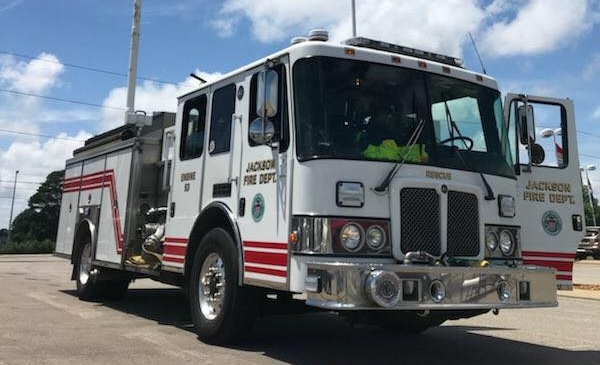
[
  {"x": 353, "y": 18},
  {"x": 477, "y": 52},
  {"x": 198, "y": 78}
]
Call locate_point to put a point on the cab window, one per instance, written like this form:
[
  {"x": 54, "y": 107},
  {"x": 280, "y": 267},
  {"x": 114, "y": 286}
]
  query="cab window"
[
  {"x": 223, "y": 107},
  {"x": 192, "y": 128}
]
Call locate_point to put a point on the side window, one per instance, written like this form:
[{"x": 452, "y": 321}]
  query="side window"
[
  {"x": 550, "y": 146},
  {"x": 223, "y": 107},
  {"x": 192, "y": 128},
  {"x": 270, "y": 85}
]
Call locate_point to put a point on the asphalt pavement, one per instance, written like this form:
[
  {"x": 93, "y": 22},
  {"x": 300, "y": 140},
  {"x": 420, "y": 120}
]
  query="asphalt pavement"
[{"x": 43, "y": 322}]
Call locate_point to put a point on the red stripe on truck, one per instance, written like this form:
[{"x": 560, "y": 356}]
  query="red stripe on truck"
[{"x": 267, "y": 258}]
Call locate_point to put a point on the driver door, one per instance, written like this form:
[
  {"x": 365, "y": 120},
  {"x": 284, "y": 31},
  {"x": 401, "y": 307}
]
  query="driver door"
[{"x": 549, "y": 203}]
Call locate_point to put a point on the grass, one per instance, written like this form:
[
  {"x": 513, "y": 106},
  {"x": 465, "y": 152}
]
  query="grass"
[{"x": 45, "y": 246}]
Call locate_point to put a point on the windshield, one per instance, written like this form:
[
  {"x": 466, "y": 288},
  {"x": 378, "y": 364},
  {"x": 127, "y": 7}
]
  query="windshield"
[{"x": 359, "y": 110}]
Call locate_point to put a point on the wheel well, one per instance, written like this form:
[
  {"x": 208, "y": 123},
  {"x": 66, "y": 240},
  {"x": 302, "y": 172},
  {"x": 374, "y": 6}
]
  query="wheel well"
[
  {"x": 83, "y": 234},
  {"x": 213, "y": 217}
]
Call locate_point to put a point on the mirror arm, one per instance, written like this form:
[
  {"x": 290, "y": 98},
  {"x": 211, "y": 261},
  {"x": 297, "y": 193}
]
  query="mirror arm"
[{"x": 529, "y": 144}]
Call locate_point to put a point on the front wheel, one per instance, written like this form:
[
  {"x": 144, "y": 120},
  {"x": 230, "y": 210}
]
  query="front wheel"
[{"x": 222, "y": 311}]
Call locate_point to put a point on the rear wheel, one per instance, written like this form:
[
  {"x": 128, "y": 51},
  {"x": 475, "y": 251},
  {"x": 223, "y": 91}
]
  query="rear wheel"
[
  {"x": 88, "y": 288},
  {"x": 222, "y": 311}
]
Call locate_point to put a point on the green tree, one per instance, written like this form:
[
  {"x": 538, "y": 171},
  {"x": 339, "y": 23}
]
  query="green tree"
[
  {"x": 40, "y": 220},
  {"x": 588, "y": 208}
]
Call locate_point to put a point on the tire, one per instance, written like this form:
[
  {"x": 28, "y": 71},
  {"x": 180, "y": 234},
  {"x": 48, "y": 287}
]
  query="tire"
[
  {"x": 222, "y": 311},
  {"x": 87, "y": 287},
  {"x": 408, "y": 322},
  {"x": 90, "y": 289}
]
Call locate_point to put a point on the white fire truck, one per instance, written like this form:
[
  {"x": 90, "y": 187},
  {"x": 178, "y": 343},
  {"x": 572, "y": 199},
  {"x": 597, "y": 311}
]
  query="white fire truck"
[{"x": 379, "y": 181}]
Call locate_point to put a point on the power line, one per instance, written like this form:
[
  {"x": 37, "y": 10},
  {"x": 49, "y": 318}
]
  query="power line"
[
  {"x": 22, "y": 182},
  {"x": 87, "y": 68},
  {"x": 39, "y": 135},
  {"x": 61, "y": 99}
]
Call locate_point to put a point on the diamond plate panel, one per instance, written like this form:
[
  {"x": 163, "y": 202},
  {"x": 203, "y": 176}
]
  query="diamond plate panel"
[
  {"x": 420, "y": 220},
  {"x": 463, "y": 224}
]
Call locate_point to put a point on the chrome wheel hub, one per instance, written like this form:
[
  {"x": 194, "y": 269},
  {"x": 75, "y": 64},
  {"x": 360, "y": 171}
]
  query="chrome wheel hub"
[
  {"x": 85, "y": 264},
  {"x": 211, "y": 290}
]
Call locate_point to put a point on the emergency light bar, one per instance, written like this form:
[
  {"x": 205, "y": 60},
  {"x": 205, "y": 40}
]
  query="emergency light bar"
[{"x": 407, "y": 51}]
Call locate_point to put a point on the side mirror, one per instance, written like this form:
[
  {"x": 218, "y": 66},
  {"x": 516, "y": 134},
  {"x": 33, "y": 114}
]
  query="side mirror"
[
  {"x": 261, "y": 130},
  {"x": 267, "y": 93},
  {"x": 526, "y": 124}
]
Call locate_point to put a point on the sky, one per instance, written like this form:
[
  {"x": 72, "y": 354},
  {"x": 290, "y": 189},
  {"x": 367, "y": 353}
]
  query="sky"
[{"x": 50, "y": 49}]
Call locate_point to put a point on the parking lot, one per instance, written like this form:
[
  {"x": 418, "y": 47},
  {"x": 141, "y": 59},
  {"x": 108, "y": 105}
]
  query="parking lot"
[{"x": 42, "y": 322}]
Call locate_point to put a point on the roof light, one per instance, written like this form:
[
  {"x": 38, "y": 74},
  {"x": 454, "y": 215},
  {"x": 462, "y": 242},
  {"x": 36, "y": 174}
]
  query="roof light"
[
  {"x": 318, "y": 35},
  {"x": 422, "y": 64},
  {"x": 349, "y": 51},
  {"x": 393, "y": 48},
  {"x": 396, "y": 59}
]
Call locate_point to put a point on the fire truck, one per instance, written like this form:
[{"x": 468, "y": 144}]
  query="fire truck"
[{"x": 382, "y": 182}]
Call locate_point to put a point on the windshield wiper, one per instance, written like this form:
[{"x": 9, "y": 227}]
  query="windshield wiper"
[
  {"x": 453, "y": 127},
  {"x": 412, "y": 141}
]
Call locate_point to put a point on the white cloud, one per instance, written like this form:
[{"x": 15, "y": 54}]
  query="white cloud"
[
  {"x": 420, "y": 23},
  {"x": 149, "y": 97},
  {"x": 539, "y": 26},
  {"x": 35, "y": 157},
  {"x": 35, "y": 160},
  {"x": 37, "y": 76},
  {"x": 275, "y": 20},
  {"x": 507, "y": 27}
]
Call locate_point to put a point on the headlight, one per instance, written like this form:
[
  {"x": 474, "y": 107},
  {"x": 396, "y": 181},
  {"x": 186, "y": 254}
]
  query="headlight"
[
  {"x": 507, "y": 243},
  {"x": 491, "y": 241},
  {"x": 351, "y": 237},
  {"x": 375, "y": 237}
]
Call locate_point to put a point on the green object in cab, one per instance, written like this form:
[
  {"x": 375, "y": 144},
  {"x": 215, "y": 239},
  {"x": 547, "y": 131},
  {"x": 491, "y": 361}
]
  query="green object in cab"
[{"x": 389, "y": 150}]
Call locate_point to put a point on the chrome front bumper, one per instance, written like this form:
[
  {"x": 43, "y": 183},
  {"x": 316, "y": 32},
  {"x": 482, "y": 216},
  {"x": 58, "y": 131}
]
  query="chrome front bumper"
[{"x": 340, "y": 286}]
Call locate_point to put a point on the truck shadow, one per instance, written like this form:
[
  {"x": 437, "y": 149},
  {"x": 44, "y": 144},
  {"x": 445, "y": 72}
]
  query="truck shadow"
[{"x": 324, "y": 338}]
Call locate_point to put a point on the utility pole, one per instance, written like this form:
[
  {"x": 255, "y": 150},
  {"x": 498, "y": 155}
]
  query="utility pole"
[
  {"x": 133, "y": 58},
  {"x": 12, "y": 205}
]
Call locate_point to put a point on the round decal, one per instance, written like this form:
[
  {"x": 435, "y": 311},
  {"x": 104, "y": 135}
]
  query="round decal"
[
  {"x": 211, "y": 146},
  {"x": 551, "y": 223},
  {"x": 258, "y": 207},
  {"x": 240, "y": 92}
]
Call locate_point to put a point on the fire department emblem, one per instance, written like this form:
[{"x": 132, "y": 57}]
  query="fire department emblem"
[
  {"x": 551, "y": 223},
  {"x": 258, "y": 207}
]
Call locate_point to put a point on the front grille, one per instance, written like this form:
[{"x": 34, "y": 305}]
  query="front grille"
[
  {"x": 420, "y": 222},
  {"x": 463, "y": 224}
]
